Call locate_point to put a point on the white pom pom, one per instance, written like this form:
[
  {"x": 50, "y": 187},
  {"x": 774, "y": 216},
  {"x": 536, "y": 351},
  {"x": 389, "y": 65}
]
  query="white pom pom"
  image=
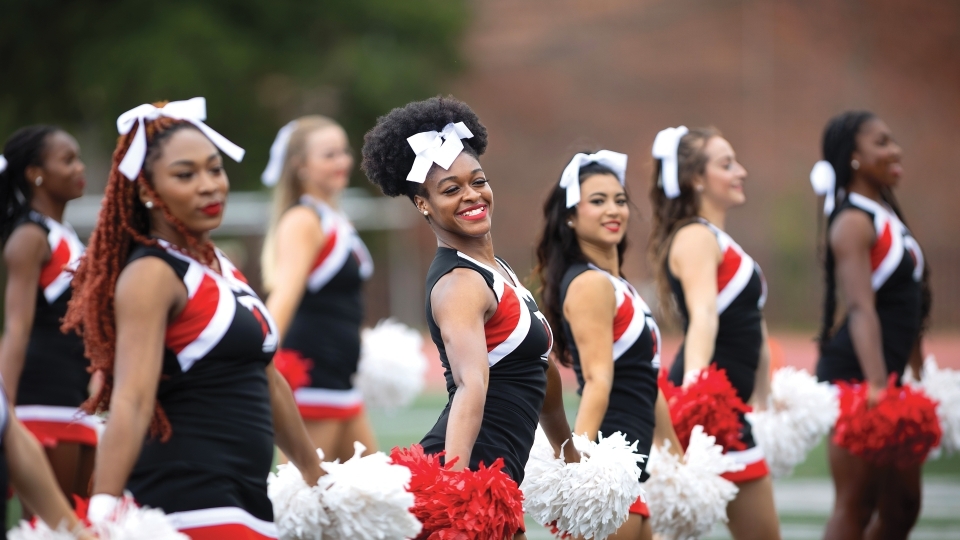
[
  {"x": 800, "y": 413},
  {"x": 942, "y": 385},
  {"x": 366, "y": 498},
  {"x": 392, "y": 365},
  {"x": 688, "y": 497},
  {"x": 591, "y": 498},
  {"x": 135, "y": 523},
  {"x": 40, "y": 531},
  {"x": 297, "y": 510}
]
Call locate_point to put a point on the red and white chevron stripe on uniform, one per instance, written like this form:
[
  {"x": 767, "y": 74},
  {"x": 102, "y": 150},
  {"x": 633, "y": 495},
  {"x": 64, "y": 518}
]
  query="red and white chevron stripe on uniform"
[
  {"x": 65, "y": 252},
  {"x": 219, "y": 523},
  {"x": 893, "y": 240},
  {"x": 633, "y": 314},
  {"x": 340, "y": 242},
  {"x": 735, "y": 270}
]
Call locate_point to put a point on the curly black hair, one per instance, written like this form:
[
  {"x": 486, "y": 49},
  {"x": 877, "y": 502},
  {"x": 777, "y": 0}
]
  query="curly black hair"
[{"x": 387, "y": 157}]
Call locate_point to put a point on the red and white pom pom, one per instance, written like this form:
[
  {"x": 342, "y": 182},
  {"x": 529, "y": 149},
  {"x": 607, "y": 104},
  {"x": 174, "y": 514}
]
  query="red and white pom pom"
[
  {"x": 392, "y": 365},
  {"x": 367, "y": 499},
  {"x": 688, "y": 496},
  {"x": 294, "y": 368},
  {"x": 38, "y": 531},
  {"x": 709, "y": 401},
  {"x": 942, "y": 385},
  {"x": 900, "y": 430},
  {"x": 590, "y": 499},
  {"x": 298, "y": 511},
  {"x": 800, "y": 413},
  {"x": 126, "y": 521},
  {"x": 463, "y": 505}
]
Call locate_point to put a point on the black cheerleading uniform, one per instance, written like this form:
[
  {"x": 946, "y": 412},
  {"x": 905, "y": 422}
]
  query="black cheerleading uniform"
[
  {"x": 54, "y": 380},
  {"x": 210, "y": 477},
  {"x": 741, "y": 294},
  {"x": 897, "y": 271},
  {"x": 326, "y": 326},
  {"x": 518, "y": 342}
]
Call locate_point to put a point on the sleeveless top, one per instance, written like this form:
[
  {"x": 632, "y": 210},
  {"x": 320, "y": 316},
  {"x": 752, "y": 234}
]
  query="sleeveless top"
[
  {"x": 741, "y": 294},
  {"x": 215, "y": 393},
  {"x": 326, "y": 325},
  {"x": 55, "y": 370},
  {"x": 896, "y": 262},
  {"x": 518, "y": 342},
  {"x": 636, "y": 362}
]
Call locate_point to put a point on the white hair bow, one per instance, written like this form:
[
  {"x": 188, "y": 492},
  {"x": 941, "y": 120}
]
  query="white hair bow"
[
  {"x": 823, "y": 178},
  {"x": 278, "y": 153},
  {"x": 192, "y": 110},
  {"x": 570, "y": 179},
  {"x": 436, "y": 147},
  {"x": 665, "y": 149},
  {"x": 3, "y": 163}
]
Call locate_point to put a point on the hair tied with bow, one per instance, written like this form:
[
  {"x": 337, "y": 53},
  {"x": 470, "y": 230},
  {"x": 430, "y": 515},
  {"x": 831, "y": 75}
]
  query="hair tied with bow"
[
  {"x": 440, "y": 147},
  {"x": 3, "y": 163},
  {"x": 192, "y": 110},
  {"x": 278, "y": 153},
  {"x": 665, "y": 148},
  {"x": 823, "y": 178},
  {"x": 570, "y": 179}
]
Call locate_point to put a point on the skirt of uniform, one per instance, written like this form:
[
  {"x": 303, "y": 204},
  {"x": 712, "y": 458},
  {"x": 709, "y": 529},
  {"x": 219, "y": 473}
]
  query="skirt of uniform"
[
  {"x": 220, "y": 523},
  {"x": 52, "y": 425},
  {"x": 752, "y": 458}
]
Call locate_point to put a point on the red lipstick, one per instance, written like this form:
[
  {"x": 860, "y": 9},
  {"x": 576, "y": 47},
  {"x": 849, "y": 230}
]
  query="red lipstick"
[
  {"x": 212, "y": 209},
  {"x": 473, "y": 213}
]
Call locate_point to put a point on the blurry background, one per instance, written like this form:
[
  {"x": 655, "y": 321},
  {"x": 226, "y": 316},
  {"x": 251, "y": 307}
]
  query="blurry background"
[{"x": 548, "y": 78}]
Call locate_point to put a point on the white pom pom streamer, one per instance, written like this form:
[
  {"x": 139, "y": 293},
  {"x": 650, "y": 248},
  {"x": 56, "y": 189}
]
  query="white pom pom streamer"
[
  {"x": 942, "y": 385},
  {"x": 367, "y": 499},
  {"x": 687, "y": 497},
  {"x": 392, "y": 365},
  {"x": 363, "y": 498},
  {"x": 40, "y": 531},
  {"x": 800, "y": 413},
  {"x": 128, "y": 522},
  {"x": 589, "y": 499}
]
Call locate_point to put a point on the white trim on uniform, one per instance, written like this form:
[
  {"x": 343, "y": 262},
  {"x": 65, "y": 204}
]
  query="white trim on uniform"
[
  {"x": 748, "y": 456},
  {"x": 62, "y": 415},
  {"x": 227, "y": 515},
  {"x": 881, "y": 219},
  {"x": 328, "y": 397},
  {"x": 62, "y": 232}
]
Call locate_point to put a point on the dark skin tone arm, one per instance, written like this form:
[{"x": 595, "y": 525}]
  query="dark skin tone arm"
[
  {"x": 553, "y": 419},
  {"x": 851, "y": 237},
  {"x": 24, "y": 254}
]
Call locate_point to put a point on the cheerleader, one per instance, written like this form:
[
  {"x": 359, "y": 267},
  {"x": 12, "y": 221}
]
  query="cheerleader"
[
  {"x": 610, "y": 337},
  {"x": 43, "y": 368},
  {"x": 315, "y": 264},
  {"x": 879, "y": 266},
  {"x": 719, "y": 292},
  {"x": 493, "y": 340},
  {"x": 183, "y": 341}
]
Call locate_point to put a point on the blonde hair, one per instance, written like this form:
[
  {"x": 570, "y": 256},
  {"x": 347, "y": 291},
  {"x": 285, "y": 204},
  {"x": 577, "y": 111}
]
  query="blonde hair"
[{"x": 288, "y": 189}]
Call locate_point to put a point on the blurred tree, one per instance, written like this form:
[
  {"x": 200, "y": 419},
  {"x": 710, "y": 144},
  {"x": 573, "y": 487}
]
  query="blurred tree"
[{"x": 258, "y": 63}]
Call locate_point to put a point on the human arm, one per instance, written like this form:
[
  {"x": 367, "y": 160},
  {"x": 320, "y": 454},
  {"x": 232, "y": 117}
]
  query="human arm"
[
  {"x": 851, "y": 237},
  {"x": 461, "y": 304},
  {"x": 141, "y": 315},
  {"x": 553, "y": 419},
  {"x": 298, "y": 240},
  {"x": 291, "y": 434},
  {"x": 916, "y": 357},
  {"x": 663, "y": 426},
  {"x": 589, "y": 307},
  {"x": 694, "y": 258},
  {"x": 24, "y": 255},
  {"x": 33, "y": 480},
  {"x": 761, "y": 386}
]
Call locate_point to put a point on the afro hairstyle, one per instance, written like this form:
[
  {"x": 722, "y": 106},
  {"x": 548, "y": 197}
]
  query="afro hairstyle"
[{"x": 388, "y": 158}]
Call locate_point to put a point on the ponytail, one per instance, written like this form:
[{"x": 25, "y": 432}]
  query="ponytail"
[{"x": 23, "y": 149}]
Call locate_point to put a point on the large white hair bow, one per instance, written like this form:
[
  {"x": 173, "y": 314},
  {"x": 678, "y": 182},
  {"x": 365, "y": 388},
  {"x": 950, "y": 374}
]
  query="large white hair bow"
[
  {"x": 192, "y": 110},
  {"x": 570, "y": 179},
  {"x": 436, "y": 147},
  {"x": 665, "y": 149},
  {"x": 3, "y": 163},
  {"x": 278, "y": 153},
  {"x": 824, "y": 181}
]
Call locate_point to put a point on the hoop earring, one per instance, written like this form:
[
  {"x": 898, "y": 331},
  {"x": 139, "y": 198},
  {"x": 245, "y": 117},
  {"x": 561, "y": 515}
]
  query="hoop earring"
[
  {"x": 38, "y": 181},
  {"x": 854, "y": 164}
]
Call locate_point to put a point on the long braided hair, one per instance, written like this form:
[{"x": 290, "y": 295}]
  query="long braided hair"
[
  {"x": 839, "y": 144},
  {"x": 123, "y": 223},
  {"x": 23, "y": 149}
]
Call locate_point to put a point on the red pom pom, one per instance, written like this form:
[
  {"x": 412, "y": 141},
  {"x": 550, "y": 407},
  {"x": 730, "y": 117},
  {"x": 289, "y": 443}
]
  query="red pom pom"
[
  {"x": 900, "y": 430},
  {"x": 294, "y": 368},
  {"x": 712, "y": 402},
  {"x": 461, "y": 505}
]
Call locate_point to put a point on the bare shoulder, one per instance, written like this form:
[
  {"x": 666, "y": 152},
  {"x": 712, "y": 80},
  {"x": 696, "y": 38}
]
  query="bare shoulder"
[
  {"x": 851, "y": 231},
  {"x": 165, "y": 289},
  {"x": 694, "y": 243},
  {"x": 300, "y": 222},
  {"x": 26, "y": 246},
  {"x": 592, "y": 285}
]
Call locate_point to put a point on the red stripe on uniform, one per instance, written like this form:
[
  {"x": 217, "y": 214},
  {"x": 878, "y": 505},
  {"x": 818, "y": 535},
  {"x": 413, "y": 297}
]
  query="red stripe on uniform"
[
  {"x": 639, "y": 507},
  {"x": 325, "y": 251},
  {"x": 329, "y": 412},
  {"x": 504, "y": 321},
  {"x": 728, "y": 267},
  {"x": 58, "y": 260},
  {"x": 52, "y": 433},
  {"x": 195, "y": 316},
  {"x": 880, "y": 249},
  {"x": 234, "y": 531},
  {"x": 623, "y": 318},
  {"x": 239, "y": 276},
  {"x": 753, "y": 471}
]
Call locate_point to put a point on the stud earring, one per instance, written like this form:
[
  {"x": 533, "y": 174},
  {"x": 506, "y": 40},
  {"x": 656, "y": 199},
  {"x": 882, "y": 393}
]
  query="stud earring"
[
  {"x": 854, "y": 164},
  {"x": 426, "y": 213},
  {"x": 38, "y": 181},
  {"x": 570, "y": 223},
  {"x": 148, "y": 204},
  {"x": 699, "y": 189}
]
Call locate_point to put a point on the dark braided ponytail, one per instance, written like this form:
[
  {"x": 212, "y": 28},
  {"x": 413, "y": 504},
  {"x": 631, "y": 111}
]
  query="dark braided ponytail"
[{"x": 23, "y": 149}]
